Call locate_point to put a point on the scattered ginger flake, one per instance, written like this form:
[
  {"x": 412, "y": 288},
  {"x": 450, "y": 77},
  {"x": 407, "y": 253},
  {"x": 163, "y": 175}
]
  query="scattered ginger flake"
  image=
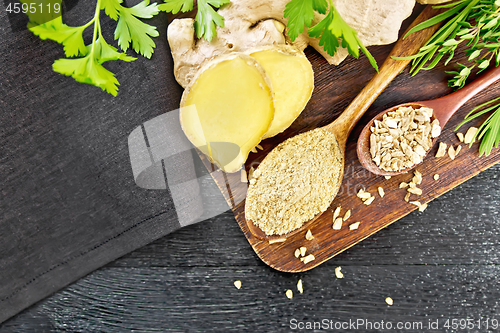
[
  {"x": 297, "y": 253},
  {"x": 289, "y": 293},
  {"x": 237, "y": 284},
  {"x": 307, "y": 259},
  {"x": 421, "y": 207},
  {"x": 309, "y": 235},
  {"x": 337, "y": 225},
  {"x": 407, "y": 196},
  {"x": 369, "y": 201},
  {"x": 436, "y": 176},
  {"x": 387, "y": 177},
  {"x": 452, "y": 153},
  {"x": 381, "y": 192},
  {"x": 416, "y": 203},
  {"x": 460, "y": 137},
  {"x": 300, "y": 287},
  {"x": 441, "y": 150},
  {"x": 415, "y": 190},
  {"x": 303, "y": 250},
  {"x": 417, "y": 178},
  {"x": 253, "y": 150},
  {"x": 403, "y": 185},
  {"x": 259, "y": 147},
  {"x": 363, "y": 195},
  {"x": 347, "y": 215},
  {"x": 458, "y": 149},
  {"x": 389, "y": 301},
  {"x": 278, "y": 240},
  {"x": 354, "y": 226},
  {"x": 336, "y": 213},
  {"x": 470, "y": 134},
  {"x": 338, "y": 273}
]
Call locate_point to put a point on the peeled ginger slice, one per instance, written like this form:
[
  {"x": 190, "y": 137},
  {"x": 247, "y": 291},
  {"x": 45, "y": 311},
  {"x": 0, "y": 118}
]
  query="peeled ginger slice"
[
  {"x": 227, "y": 109},
  {"x": 292, "y": 79}
]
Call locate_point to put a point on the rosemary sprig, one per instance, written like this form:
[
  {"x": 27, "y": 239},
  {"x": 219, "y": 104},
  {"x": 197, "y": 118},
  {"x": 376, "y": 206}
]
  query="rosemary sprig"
[{"x": 475, "y": 24}]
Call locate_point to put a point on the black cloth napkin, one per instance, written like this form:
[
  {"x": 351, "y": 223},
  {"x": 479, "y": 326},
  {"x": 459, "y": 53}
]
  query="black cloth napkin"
[{"x": 69, "y": 203}]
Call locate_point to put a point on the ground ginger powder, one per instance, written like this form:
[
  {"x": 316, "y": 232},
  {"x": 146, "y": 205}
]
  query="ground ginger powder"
[{"x": 295, "y": 182}]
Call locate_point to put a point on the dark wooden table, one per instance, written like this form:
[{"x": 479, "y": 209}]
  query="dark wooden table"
[
  {"x": 440, "y": 267},
  {"x": 442, "y": 264}
]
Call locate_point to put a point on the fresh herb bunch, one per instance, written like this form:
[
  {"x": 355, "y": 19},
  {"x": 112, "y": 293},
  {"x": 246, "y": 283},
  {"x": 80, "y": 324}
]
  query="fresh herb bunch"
[
  {"x": 85, "y": 62},
  {"x": 475, "y": 24},
  {"x": 300, "y": 13}
]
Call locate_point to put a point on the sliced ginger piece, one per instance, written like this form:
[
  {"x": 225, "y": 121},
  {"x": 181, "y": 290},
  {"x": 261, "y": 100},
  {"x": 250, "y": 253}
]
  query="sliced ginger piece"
[
  {"x": 227, "y": 109},
  {"x": 292, "y": 79}
]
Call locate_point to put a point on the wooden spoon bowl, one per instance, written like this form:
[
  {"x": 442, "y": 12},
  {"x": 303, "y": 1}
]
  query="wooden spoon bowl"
[{"x": 443, "y": 109}]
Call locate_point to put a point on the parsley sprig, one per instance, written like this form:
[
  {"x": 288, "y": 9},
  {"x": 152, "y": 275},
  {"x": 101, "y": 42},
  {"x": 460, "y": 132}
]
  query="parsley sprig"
[
  {"x": 206, "y": 20},
  {"x": 475, "y": 24},
  {"x": 85, "y": 62},
  {"x": 329, "y": 30}
]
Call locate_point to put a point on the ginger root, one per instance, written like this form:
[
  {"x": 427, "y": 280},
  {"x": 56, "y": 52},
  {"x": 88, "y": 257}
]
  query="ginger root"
[
  {"x": 292, "y": 79},
  {"x": 191, "y": 54},
  {"x": 252, "y": 23},
  {"x": 239, "y": 99},
  {"x": 251, "y": 82},
  {"x": 227, "y": 109}
]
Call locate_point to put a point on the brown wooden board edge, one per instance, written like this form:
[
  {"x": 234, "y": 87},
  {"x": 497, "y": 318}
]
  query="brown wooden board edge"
[
  {"x": 272, "y": 254},
  {"x": 319, "y": 112}
]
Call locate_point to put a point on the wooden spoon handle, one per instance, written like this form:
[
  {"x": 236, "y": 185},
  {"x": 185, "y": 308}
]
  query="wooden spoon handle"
[
  {"x": 444, "y": 107},
  {"x": 344, "y": 124}
]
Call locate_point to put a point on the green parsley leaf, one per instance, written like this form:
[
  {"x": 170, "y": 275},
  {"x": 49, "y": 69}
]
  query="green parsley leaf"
[
  {"x": 105, "y": 52},
  {"x": 88, "y": 70},
  {"x": 321, "y": 6},
  {"x": 56, "y": 30},
  {"x": 207, "y": 19},
  {"x": 111, "y": 8},
  {"x": 329, "y": 30},
  {"x": 300, "y": 13},
  {"x": 174, "y": 6},
  {"x": 132, "y": 30},
  {"x": 327, "y": 39},
  {"x": 74, "y": 45},
  {"x": 341, "y": 29}
]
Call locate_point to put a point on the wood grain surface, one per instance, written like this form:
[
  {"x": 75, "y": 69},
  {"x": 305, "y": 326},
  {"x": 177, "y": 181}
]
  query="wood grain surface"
[
  {"x": 323, "y": 109},
  {"x": 438, "y": 265}
]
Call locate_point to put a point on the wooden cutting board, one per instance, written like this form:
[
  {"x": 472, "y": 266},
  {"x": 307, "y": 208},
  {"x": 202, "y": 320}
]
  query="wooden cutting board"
[{"x": 335, "y": 87}]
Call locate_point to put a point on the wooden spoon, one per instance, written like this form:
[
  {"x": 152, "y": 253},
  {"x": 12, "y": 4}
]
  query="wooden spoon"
[
  {"x": 344, "y": 124},
  {"x": 443, "y": 108}
]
